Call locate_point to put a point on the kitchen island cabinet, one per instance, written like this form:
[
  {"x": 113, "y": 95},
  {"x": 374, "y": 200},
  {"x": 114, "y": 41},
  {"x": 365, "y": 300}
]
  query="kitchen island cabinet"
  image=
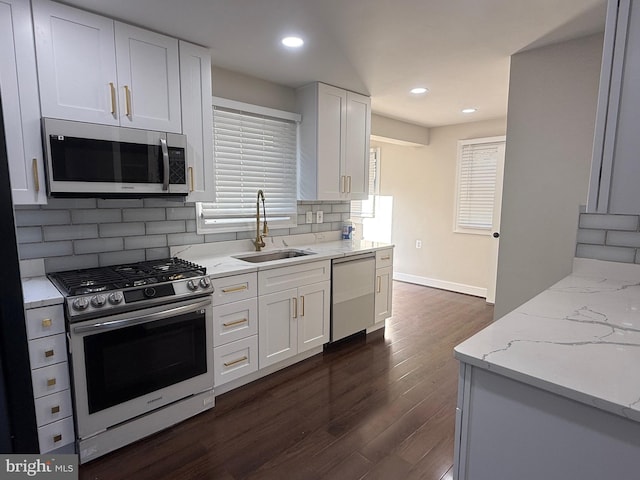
[{"x": 550, "y": 390}]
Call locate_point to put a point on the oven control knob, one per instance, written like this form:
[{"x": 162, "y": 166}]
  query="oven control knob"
[
  {"x": 98, "y": 300},
  {"x": 149, "y": 292},
  {"x": 205, "y": 282},
  {"x": 115, "y": 298},
  {"x": 191, "y": 285},
  {"x": 80, "y": 303}
]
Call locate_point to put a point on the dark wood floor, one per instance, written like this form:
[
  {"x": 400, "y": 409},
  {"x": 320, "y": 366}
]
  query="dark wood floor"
[{"x": 377, "y": 408}]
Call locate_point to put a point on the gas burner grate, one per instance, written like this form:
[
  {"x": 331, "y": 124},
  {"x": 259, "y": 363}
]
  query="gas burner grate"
[{"x": 90, "y": 280}]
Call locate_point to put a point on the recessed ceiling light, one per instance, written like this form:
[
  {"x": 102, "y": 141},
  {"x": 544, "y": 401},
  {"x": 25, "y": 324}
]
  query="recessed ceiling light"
[
  {"x": 469, "y": 110},
  {"x": 419, "y": 90},
  {"x": 293, "y": 42}
]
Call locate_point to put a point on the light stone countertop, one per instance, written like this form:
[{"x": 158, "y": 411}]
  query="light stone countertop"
[
  {"x": 580, "y": 339},
  {"x": 39, "y": 292},
  {"x": 218, "y": 258}
]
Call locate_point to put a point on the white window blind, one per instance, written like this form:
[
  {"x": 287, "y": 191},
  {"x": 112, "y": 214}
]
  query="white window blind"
[
  {"x": 476, "y": 189},
  {"x": 366, "y": 208},
  {"x": 251, "y": 152}
]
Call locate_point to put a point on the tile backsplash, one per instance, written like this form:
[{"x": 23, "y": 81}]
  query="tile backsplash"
[
  {"x": 84, "y": 233},
  {"x": 615, "y": 238}
]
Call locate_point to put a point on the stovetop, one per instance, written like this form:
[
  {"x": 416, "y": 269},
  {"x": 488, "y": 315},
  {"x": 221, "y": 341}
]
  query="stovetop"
[
  {"x": 116, "y": 277},
  {"x": 95, "y": 292}
]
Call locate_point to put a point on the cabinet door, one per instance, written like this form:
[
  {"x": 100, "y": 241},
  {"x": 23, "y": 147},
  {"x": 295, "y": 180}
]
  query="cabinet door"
[
  {"x": 76, "y": 59},
  {"x": 313, "y": 315},
  {"x": 356, "y": 158},
  {"x": 277, "y": 327},
  {"x": 332, "y": 110},
  {"x": 197, "y": 121},
  {"x": 148, "y": 79},
  {"x": 21, "y": 111},
  {"x": 384, "y": 292}
]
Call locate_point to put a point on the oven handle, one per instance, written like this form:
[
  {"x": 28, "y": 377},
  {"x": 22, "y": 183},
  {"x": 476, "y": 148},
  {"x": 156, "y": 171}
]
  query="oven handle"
[
  {"x": 165, "y": 163},
  {"x": 98, "y": 327}
]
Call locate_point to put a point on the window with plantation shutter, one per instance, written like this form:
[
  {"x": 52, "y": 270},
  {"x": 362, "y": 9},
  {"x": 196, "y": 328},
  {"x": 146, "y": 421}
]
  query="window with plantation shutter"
[
  {"x": 367, "y": 208},
  {"x": 251, "y": 151},
  {"x": 478, "y": 162}
]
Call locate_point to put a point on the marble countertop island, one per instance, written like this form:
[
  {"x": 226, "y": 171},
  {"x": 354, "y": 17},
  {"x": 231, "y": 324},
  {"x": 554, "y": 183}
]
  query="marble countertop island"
[{"x": 580, "y": 339}]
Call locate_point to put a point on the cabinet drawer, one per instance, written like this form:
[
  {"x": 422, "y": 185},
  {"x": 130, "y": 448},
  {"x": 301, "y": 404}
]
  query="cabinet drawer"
[
  {"x": 234, "y": 321},
  {"x": 52, "y": 408},
  {"x": 278, "y": 279},
  {"x": 384, "y": 258},
  {"x": 56, "y": 434},
  {"x": 51, "y": 379},
  {"x": 45, "y": 321},
  {"x": 234, "y": 288},
  {"x": 235, "y": 360},
  {"x": 48, "y": 350}
]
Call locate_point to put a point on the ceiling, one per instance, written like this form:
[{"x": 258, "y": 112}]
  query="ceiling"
[{"x": 458, "y": 49}]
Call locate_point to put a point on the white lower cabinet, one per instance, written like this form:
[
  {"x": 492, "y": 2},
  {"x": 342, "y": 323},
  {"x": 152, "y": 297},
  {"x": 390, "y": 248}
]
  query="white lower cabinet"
[
  {"x": 293, "y": 320},
  {"x": 235, "y": 327},
  {"x": 384, "y": 284},
  {"x": 50, "y": 377}
]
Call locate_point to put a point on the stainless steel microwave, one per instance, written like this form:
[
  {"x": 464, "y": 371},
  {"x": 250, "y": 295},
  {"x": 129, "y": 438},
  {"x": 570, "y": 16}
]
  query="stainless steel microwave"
[{"x": 90, "y": 160}]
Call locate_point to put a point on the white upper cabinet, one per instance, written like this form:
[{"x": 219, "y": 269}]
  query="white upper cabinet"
[
  {"x": 21, "y": 111},
  {"x": 197, "y": 120},
  {"x": 615, "y": 170},
  {"x": 148, "y": 79},
  {"x": 93, "y": 69},
  {"x": 333, "y": 155}
]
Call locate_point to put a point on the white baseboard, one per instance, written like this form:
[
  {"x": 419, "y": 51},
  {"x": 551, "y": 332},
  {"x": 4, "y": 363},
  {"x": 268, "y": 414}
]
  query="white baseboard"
[{"x": 442, "y": 284}]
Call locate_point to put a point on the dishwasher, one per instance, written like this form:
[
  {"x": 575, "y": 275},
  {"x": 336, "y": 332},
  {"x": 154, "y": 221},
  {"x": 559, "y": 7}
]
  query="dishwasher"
[{"x": 352, "y": 294}]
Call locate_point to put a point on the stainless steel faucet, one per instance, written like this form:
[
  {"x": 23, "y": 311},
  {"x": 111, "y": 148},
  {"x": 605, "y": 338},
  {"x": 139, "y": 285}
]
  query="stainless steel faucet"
[{"x": 259, "y": 241}]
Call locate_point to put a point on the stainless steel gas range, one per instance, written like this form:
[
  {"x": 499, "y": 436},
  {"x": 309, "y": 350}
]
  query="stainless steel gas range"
[{"x": 141, "y": 346}]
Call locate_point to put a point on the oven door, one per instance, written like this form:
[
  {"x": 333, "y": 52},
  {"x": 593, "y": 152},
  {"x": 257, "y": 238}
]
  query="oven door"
[{"x": 130, "y": 364}]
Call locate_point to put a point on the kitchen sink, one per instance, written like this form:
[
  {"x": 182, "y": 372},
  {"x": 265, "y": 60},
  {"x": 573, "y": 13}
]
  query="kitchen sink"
[{"x": 270, "y": 256}]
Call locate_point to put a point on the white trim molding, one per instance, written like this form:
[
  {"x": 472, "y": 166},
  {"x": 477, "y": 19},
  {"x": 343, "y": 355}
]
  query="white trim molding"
[{"x": 441, "y": 284}]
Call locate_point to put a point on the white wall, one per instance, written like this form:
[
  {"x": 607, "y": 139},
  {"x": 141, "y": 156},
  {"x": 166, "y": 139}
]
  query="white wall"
[
  {"x": 550, "y": 123},
  {"x": 422, "y": 183},
  {"x": 248, "y": 89}
]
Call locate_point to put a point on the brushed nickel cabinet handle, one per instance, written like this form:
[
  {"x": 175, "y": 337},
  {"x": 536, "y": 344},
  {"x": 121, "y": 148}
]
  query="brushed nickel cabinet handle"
[
  {"x": 302, "y": 306},
  {"x": 112, "y": 91},
  {"x": 51, "y": 382},
  {"x": 236, "y": 322},
  {"x": 379, "y": 287},
  {"x": 36, "y": 179},
  {"x": 295, "y": 307},
  {"x": 46, "y": 322},
  {"x": 49, "y": 353},
  {"x": 127, "y": 100},
  {"x": 192, "y": 188},
  {"x": 55, "y": 409},
  {"x": 342, "y": 184},
  {"x": 388, "y": 257},
  {"x": 234, "y": 289},
  {"x": 349, "y": 183},
  {"x": 57, "y": 438},
  {"x": 233, "y": 362}
]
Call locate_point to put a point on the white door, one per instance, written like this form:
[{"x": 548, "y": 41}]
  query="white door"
[
  {"x": 148, "y": 79},
  {"x": 195, "y": 93},
  {"x": 495, "y": 232},
  {"x": 384, "y": 291},
  {"x": 277, "y": 327},
  {"x": 356, "y": 157},
  {"x": 313, "y": 315},
  {"x": 21, "y": 110},
  {"x": 331, "y": 142},
  {"x": 76, "y": 58}
]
